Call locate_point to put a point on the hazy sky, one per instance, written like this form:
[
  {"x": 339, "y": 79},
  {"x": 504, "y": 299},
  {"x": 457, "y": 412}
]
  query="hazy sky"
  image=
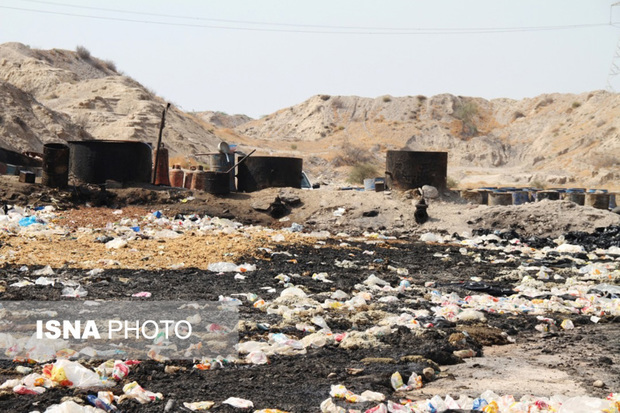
[{"x": 258, "y": 56}]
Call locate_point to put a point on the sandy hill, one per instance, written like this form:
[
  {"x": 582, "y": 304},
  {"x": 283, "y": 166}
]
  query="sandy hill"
[
  {"x": 67, "y": 95},
  {"x": 554, "y": 139}
]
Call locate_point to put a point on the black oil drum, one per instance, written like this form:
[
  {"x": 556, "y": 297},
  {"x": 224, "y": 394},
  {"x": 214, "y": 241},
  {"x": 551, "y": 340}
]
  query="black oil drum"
[
  {"x": 55, "y": 165},
  {"x": 95, "y": 162},
  {"x": 260, "y": 172},
  {"x": 411, "y": 169},
  {"x": 217, "y": 183}
]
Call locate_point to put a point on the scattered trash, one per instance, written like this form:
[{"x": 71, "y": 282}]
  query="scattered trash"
[
  {"x": 199, "y": 406},
  {"x": 134, "y": 391},
  {"x": 238, "y": 403},
  {"x": 230, "y": 267}
]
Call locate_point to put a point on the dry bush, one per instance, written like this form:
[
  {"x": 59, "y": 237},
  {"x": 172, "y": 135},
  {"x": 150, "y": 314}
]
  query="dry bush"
[
  {"x": 451, "y": 182},
  {"x": 361, "y": 171},
  {"x": 465, "y": 112},
  {"x": 352, "y": 155},
  {"x": 544, "y": 102},
  {"x": 82, "y": 52},
  {"x": 110, "y": 65}
]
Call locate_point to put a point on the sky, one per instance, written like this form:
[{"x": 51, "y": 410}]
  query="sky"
[{"x": 255, "y": 57}]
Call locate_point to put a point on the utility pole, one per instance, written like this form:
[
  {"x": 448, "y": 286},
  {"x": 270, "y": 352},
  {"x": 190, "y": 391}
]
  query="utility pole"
[{"x": 614, "y": 69}]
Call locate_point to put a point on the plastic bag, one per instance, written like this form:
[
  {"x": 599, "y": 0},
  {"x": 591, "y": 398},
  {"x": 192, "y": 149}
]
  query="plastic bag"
[
  {"x": 71, "y": 407},
  {"x": 134, "y": 391},
  {"x": 239, "y": 403},
  {"x": 198, "y": 406}
]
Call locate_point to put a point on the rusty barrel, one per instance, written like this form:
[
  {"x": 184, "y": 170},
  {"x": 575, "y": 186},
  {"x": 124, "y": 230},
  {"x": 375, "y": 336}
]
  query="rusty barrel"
[
  {"x": 199, "y": 178},
  {"x": 260, "y": 172},
  {"x": 176, "y": 175},
  {"x": 55, "y": 172},
  {"x": 189, "y": 178},
  {"x": 161, "y": 169},
  {"x": 414, "y": 169},
  {"x": 95, "y": 162}
]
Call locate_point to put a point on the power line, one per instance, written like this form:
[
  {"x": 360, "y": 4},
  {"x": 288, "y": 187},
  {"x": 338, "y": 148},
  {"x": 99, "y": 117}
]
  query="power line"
[
  {"x": 491, "y": 29},
  {"x": 328, "y": 29}
]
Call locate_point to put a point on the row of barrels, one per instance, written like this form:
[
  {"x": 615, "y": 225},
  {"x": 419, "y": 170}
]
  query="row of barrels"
[
  {"x": 596, "y": 198},
  {"x": 196, "y": 178}
]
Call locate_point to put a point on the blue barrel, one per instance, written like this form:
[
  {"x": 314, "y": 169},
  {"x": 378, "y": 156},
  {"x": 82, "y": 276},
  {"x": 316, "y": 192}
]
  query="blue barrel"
[
  {"x": 520, "y": 197},
  {"x": 12, "y": 169},
  {"x": 612, "y": 201},
  {"x": 369, "y": 184}
]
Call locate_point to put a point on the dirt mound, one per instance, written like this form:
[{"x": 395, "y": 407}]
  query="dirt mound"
[
  {"x": 554, "y": 139},
  {"x": 94, "y": 100}
]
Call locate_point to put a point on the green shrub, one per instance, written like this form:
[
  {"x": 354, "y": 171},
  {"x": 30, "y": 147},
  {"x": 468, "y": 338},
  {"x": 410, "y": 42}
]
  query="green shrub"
[
  {"x": 575, "y": 105},
  {"x": 387, "y": 99},
  {"x": 361, "y": 171}
]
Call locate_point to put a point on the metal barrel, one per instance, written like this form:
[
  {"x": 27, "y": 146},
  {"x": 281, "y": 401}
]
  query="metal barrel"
[
  {"x": 95, "y": 162},
  {"x": 520, "y": 197},
  {"x": 55, "y": 165},
  {"x": 472, "y": 196},
  {"x": 369, "y": 184},
  {"x": 198, "y": 180},
  {"x": 576, "y": 197},
  {"x": 413, "y": 169},
  {"x": 161, "y": 169},
  {"x": 217, "y": 183},
  {"x": 189, "y": 178},
  {"x": 500, "y": 198},
  {"x": 221, "y": 162},
  {"x": 597, "y": 200},
  {"x": 260, "y": 172},
  {"x": 176, "y": 176},
  {"x": 550, "y": 195}
]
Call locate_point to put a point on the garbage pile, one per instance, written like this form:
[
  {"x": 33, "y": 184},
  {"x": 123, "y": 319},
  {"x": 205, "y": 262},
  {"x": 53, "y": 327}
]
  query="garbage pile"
[{"x": 337, "y": 323}]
